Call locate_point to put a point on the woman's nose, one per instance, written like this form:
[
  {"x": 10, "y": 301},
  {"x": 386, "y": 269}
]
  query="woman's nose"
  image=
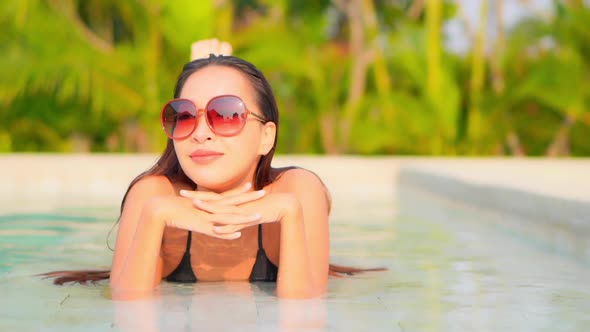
[{"x": 202, "y": 132}]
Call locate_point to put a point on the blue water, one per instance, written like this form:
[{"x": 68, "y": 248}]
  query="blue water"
[{"x": 449, "y": 270}]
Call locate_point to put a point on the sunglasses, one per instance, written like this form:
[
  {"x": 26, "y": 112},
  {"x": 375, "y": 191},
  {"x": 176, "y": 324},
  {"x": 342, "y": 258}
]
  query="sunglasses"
[{"x": 226, "y": 116}]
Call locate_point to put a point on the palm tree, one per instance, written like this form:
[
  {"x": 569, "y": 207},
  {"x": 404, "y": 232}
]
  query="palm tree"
[
  {"x": 94, "y": 62},
  {"x": 548, "y": 65}
]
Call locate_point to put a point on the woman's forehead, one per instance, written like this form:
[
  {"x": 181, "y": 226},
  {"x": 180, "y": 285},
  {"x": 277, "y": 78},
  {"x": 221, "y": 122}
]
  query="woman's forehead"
[{"x": 214, "y": 81}]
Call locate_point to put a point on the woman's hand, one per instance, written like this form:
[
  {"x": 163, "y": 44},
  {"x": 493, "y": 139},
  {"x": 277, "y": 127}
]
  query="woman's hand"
[
  {"x": 181, "y": 212},
  {"x": 236, "y": 196},
  {"x": 269, "y": 208},
  {"x": 202, "y": 48}
]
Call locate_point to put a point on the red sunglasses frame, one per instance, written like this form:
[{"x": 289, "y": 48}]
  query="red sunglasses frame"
[{"x": 204, "y": 111}]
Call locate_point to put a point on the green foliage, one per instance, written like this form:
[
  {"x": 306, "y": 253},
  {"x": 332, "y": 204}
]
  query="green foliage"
[
  {"x": 358, "y": 76},
  {"x": 184, "y": 21},
  {"x": 547, "y": 63}
]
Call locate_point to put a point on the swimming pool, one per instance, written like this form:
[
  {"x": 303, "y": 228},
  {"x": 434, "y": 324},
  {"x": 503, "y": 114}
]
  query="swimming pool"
[{"x": 450, "y": 268}]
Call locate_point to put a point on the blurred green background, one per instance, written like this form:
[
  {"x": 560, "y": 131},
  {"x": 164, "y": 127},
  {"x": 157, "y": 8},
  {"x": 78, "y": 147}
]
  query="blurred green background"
[{"x": 351, "y": 76}]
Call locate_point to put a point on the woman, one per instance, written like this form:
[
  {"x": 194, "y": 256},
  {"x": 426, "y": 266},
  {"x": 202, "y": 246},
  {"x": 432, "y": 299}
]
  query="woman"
[
  {"x": 213, "y": 208},
  {"x": 210, "y": 161}
]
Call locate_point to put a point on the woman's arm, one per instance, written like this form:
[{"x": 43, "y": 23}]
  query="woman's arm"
[
  {"x": 151, "y": 206},
  {"x": 305, "y": 242},
  {"x": 295, "y": 279},
  {"x": 133, "y": 218}
]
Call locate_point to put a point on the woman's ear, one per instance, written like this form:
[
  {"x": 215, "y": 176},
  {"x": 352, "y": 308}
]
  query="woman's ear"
[{"x": 268, "y": 138}]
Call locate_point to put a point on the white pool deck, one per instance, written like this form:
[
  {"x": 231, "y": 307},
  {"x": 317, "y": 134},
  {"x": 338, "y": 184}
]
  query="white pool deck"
[
  {"x": 456, "y": 275},
  {"x": 105, "y": 176}
]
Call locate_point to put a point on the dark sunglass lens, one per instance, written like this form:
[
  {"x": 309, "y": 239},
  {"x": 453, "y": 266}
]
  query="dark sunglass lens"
[
  {"x": 178, "y": 118},
  {"x": 226, "y": 115}
]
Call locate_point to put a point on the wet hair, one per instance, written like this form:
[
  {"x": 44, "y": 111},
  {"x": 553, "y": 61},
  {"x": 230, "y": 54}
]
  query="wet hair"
[{"x": 169, "y": 166}]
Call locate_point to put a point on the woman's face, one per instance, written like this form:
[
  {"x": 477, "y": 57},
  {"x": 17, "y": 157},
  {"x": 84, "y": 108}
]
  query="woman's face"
[{"x": 219, "y": 163}]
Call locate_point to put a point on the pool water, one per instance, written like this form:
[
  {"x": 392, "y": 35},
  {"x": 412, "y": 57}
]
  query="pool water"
[{"x": 448, "y": 270}]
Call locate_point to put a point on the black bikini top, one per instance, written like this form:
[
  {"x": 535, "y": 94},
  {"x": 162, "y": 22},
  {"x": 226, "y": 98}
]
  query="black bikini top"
[{"x": 263, "y": 270}]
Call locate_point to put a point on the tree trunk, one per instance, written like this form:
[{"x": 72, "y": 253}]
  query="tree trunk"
[
  {"x": 361, "y": 55},
  {"x": 560, "y": 145},
  {"x": 513, "y": 143}
]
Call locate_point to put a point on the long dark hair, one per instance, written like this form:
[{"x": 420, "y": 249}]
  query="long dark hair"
[{"x": 169, "y": 166}]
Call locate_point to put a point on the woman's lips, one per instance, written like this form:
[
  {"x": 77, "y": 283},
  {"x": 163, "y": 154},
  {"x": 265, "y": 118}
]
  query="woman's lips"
[{"x": 205, "y": 156}]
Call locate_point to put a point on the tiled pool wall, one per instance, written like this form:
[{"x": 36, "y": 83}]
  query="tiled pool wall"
[{"x": 555, "y": 217}]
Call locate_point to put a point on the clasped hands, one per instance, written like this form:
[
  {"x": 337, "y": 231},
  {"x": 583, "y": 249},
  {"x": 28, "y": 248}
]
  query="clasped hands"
[{"x": 224, "y": 215}]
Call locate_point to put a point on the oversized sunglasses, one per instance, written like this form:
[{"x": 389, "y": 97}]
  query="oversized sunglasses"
[{"x": 226, "y": 116}]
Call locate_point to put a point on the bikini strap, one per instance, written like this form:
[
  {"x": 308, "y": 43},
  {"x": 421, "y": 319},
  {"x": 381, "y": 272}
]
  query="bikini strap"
[
  {"x": 260, "y": 236},
  {"x": 188, "y": 241}
]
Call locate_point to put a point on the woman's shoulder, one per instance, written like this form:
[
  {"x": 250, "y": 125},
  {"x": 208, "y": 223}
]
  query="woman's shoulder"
[
  {"x": 297, "y": 176},
  {"x": 153, "y": 181},
  {"x": 303, "y": 183},
  {"x": 154, "y": 185}
]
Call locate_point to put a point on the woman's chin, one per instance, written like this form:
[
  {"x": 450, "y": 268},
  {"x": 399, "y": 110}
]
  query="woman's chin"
[{"x": 212, "y": 183}]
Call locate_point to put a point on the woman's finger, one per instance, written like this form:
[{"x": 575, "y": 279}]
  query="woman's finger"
[
  {"x": 214, "y": 208},
  {"x": 211, "y": 196},
  {"x": 230, "y": 229},
  {"x": 241, "y": 198},
  {"x": 206, "y": 222},
  {"x": 232, "y": 219},
  {"x": 239, "y": 190},
  {"x": 202, "y": 195}
]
